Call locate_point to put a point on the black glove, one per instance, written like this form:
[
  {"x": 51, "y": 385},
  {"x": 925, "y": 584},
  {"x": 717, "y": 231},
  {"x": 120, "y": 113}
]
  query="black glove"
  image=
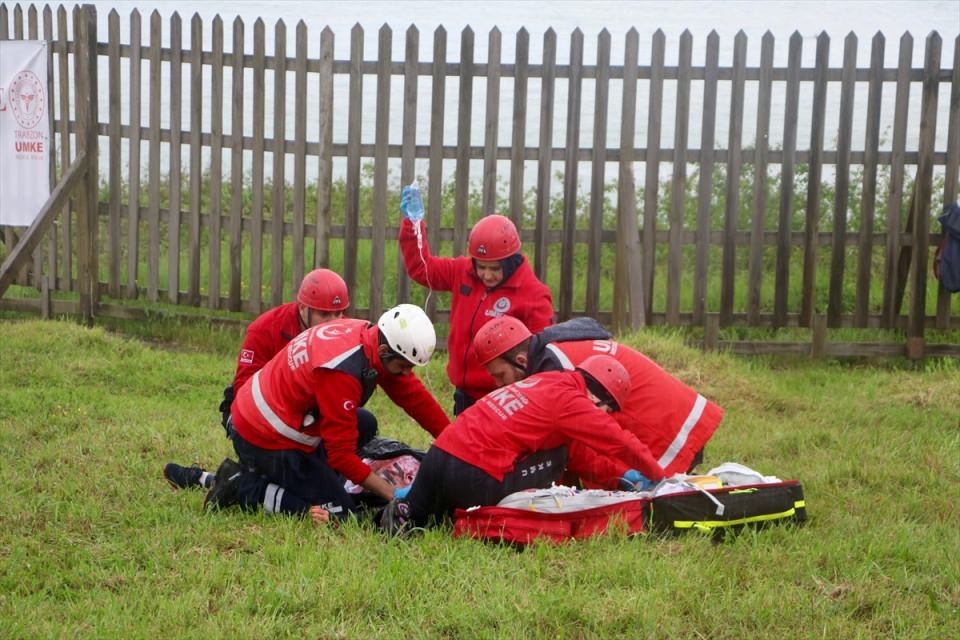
[{"x": 225, "y": 407}]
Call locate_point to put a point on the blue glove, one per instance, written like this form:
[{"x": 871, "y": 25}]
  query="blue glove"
[
  {"x": 633, "y": 480},
  {"x": 401, "y": 492},
  {"x": 411, "y": 204}
]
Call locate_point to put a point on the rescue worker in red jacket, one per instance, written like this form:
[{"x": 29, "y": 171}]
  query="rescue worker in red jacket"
[
  {"x": 495, "y": 280},
  {"x": 295, "y": 420},
  {"x": 519, "y": 437},
  {"x": 322, "y": 296},
  {"x": 672, "y": 420}
]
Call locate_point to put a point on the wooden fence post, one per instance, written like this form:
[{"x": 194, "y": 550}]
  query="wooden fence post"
[
  {"x": 87, "y": 141},
  {"x": 711, "y": 331},
  {"x": 924, "y": 192},
  {"x": 819, "y": 342},
  {"x": 629, "y": 310}
]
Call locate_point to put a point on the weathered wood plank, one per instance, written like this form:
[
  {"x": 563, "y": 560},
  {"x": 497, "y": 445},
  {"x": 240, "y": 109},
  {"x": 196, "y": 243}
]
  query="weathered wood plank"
[
  {"x": 815, "y": 171},
  {"x": 257, "y": 171},
  {"x": 758, "y": 215},
  {"x": 278, "y": 206},
  {"x": 491, "y": 121},
  {"x": 174, "y": 176},
  {"x": 570, "y": 174},
  {"x": 787, "y": 175},
  {"x": 215, "y": 234},
  {"x": 196, "y": 166},
  {"x": 354, "y": 125},
  {"x": 299, "y": 155},
  {"x": 153, "y": 214},
  {"x": 734, "y": 161},
  {"x": 627, "y": 309},
  {"x": 36, "y": 272},
  {"x": 652, "y": 166},
  {"x": 50, "y": 281},
  {"x": 838, "y": 255},
  {"x": 921, "y": 233},
  {"x": 236, "y": 168},
  {"x": 598, "y": 173},
  {"x": 708, "y": 132},
  {"x": 819, "y": 337},
  {"x": 321, "y": 257},
  {"x": 133, "y": 154},
  {"x": 678, "y": 191},
  {"x": 891, "y": 293},
  {"x": 380, "y": 172},
  {"x": 435, "y": 168},
  {"x": 868, "y": 200},
  {"x": 113, "y": 153},
  {"x": 408, "y": 139},
  {"x": 544, "y": 165},
  {"x": 519, "y": 125},
  {"x": 65, "y": 90},
  {"x": 461, "y": 171},
  {"x": 85, "y": 67}
]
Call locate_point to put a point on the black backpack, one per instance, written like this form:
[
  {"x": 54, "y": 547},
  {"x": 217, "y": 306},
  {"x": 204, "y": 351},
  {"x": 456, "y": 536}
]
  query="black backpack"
[{"x": 946, "y": 263}]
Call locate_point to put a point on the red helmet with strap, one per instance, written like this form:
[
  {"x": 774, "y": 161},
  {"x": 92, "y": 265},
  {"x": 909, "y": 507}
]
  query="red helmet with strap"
[
  {"x": 493, "y": 238},
  {"x": 498, "y": 336},
  {"x": 323, "y": 290},
  {"x": 609, "y": 374}
]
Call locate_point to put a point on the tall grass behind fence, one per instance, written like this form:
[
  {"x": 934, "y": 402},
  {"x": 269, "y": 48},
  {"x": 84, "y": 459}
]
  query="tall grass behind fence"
[{"x": 219, "y": 187}]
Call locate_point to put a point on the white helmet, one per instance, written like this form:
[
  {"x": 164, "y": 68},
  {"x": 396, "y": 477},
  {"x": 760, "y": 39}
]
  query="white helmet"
[{"x": 409, "y": 332}]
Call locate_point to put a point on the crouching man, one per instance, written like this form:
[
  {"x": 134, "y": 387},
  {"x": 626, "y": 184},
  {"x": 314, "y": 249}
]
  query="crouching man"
[
  {"x": 672, "y": 420},
  {"x": 295, "y": 420},
  {"x": 519, "y": 437}
]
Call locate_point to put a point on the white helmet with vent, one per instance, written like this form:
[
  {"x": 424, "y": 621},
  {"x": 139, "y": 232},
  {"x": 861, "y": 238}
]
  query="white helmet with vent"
[{"x": 409, "y": 332}]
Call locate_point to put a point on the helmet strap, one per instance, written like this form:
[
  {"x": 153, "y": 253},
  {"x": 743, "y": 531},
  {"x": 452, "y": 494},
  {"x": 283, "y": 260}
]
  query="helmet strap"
[
  {"x": 599, "y": 391},
  {"x": 304, "y": 322},
  {"x": 514, "y": 363},
  {"x": 385, "y": 351}
]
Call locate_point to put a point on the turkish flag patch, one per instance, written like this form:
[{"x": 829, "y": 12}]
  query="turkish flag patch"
[{"x": 246, "y": 356}]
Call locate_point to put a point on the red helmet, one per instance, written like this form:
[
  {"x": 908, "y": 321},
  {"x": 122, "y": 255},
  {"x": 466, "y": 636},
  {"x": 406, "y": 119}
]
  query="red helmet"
[
  {"x": 611, "y": 375},
  {"x": 499, "y": 336},
  {"x": 323, "y": 290},
  {"x": 493, "y": 238}
]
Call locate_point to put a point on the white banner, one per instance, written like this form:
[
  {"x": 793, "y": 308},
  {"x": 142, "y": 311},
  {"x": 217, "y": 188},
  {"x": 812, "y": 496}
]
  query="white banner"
[{"x": 24, "y": 131}]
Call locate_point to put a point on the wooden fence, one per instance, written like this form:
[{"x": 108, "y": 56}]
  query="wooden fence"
[{"x": 172, "y": 232}]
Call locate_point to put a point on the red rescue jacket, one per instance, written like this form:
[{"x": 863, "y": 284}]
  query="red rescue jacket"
[
  {"x": 543, "y": 411},
  {"x": 332, "y": 368},
  {"x": 266, "y": 335},
  {"x": 670, "y": 418},
  {"x": 522, "y": 295}
]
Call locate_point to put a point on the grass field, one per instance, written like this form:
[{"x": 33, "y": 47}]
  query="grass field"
[{"x": 93, "y": 543}]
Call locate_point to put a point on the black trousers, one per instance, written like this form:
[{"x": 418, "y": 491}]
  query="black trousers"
[
  {"x": 461, "y": 402},
  {"x": 445, "y": 482},
  {"x": 300, "y": 479}
]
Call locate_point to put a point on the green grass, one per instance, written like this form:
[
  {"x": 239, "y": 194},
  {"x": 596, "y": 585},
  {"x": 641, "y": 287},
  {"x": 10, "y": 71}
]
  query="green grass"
[{"x": 94, "y": 544}]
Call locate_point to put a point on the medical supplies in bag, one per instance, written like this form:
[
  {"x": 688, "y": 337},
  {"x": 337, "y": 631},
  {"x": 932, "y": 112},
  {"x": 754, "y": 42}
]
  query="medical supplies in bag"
[
  {"x": 555, "y": 514},
  {"x": 726, "y": 499}
]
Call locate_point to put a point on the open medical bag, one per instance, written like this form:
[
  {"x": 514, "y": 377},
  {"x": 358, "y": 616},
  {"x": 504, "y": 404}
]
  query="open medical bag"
[
  {"x": 678, "y": 504},
  {"x": 554, "y": 514}
]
